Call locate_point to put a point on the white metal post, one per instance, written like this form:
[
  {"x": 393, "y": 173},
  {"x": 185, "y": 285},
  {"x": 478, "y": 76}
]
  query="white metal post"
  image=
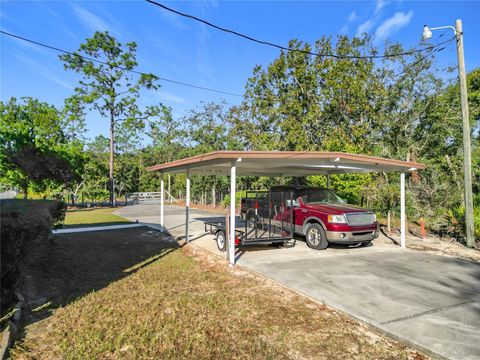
[
  {"x": 402, "y": 210},
  {"x": 162, "y": 199},
  {"x": 328, "y": 181},
  {"x": 187, "y": 206},
  {"x": 233, "y": 181}
]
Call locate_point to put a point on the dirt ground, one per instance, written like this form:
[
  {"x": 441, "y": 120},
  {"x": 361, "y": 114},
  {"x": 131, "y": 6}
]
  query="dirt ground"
[{"x": 436, "y": 245}]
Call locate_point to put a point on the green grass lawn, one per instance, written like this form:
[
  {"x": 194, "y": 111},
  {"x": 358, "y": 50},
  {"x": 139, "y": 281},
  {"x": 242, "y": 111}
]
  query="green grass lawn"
[
  {"x": 92, "y": 217},
  {"x": 187, "y": 304}
]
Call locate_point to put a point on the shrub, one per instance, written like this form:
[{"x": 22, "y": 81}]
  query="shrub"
[
  {"x": 238, "y": 196},
  {"x": 456, "y": 221},
  {"x": 25, "y": 223}
]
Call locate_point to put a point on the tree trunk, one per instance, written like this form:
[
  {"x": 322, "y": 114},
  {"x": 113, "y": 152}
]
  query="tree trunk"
[
  {"x": 112, "y": 149},
  {"x": 73, "y": 200},
  {"x": 25, "y": 192}
]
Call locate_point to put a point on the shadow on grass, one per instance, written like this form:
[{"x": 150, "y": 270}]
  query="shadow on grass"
[{"x": 73, "y": 265}]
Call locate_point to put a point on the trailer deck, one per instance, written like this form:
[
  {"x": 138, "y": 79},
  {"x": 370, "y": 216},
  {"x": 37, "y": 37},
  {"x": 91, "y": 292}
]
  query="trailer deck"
[{"x": 245, "y": 235}]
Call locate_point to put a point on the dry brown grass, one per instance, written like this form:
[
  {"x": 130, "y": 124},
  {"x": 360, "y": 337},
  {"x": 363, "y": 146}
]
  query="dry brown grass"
[{"x": 189, "y": 304}]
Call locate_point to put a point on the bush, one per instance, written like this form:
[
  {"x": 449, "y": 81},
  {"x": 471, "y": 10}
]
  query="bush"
[
  {"x": 238, "y": 196},
  {"x": 25, "y": 223},
  {"x": 456, "y": 221}
]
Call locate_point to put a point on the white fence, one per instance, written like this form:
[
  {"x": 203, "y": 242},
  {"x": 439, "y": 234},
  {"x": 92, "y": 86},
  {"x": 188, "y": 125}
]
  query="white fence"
[{"x": 148, "y": 198}]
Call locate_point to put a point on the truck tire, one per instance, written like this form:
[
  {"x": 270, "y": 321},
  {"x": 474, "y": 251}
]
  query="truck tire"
[
  {"x": 220, "y": 240},
  {"x": 315, "y": 236}
]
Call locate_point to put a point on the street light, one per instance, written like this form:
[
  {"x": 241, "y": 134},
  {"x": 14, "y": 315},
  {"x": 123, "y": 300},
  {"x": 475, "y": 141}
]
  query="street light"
[{"x": 467, "y": 154}]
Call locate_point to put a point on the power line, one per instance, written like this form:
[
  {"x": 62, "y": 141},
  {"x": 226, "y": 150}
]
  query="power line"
[
  {"x": 281, "y": 47},
  {"x": 118, "y": 67},
  {"x": 435, "y": 48},
  {"x": 438, "y": 48}
]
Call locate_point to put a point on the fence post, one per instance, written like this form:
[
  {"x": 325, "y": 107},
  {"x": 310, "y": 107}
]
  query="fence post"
[{"x": 389, "y": 228}]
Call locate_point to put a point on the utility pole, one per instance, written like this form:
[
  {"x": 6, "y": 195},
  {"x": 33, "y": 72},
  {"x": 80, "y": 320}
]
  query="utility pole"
[{"x": 467, "y": 152}]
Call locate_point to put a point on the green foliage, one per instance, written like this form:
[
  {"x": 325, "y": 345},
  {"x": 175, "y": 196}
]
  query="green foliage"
[
  {"x": 238, "y": 196},
  {"x": 456, "y": 221},
  {"x": 35, "y": 149}
]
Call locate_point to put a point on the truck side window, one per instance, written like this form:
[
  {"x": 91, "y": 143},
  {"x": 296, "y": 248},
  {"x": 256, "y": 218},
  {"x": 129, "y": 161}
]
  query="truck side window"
[{"x": 292, "y": 203}]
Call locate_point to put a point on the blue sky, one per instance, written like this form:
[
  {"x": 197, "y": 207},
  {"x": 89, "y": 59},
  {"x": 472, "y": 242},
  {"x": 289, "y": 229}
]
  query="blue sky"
[{"x": 180, "y": 49}]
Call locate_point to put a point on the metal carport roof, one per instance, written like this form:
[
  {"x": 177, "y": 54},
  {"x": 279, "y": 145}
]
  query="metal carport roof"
[{"x": 284, "y": 163}]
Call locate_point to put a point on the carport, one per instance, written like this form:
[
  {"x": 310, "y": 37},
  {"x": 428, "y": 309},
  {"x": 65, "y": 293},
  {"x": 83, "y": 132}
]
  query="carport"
[{"x": 278, "y": 164}]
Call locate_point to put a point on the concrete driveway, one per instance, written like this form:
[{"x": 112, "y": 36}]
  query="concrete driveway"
[{"x": 427, "y": 300}]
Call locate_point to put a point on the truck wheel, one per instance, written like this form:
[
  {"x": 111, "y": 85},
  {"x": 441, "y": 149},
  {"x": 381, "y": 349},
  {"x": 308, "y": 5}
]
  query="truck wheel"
[
  {"x": 316, "y": 238},
  {"x": 220, "y": 240}
]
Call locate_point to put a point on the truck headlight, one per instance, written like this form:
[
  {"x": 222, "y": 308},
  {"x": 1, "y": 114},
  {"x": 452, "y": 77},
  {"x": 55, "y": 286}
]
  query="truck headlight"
[{"x": 337, "y": 219}]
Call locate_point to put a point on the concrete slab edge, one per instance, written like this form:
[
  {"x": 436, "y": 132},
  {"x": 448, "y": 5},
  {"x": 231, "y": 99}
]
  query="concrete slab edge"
[
  {"x": 363, "y": 321},
  {"x": 96, "y": 228}
]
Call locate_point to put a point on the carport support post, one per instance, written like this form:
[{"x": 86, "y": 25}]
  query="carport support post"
[
  {"x": 162, "y": 199},
  {"x": 231, "y": 242},
  {"x": 187, "y": 205},
  {"x": 328, "y": 181},
  {"x": 402, "y": 210}
]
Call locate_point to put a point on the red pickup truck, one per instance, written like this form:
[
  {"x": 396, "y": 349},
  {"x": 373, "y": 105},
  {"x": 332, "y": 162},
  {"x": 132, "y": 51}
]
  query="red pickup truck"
[{"x": 316, "y": 213}]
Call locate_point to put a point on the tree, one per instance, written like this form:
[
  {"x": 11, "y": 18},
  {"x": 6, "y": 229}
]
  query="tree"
[
  {"x": 109, "y": 87},
  {"x": 34, "y": 147},
  {"x": 302, "y": 102}
]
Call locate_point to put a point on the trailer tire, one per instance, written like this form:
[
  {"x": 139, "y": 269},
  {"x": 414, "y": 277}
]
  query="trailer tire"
[
  {"x": 252, "y": 221},
  {"x": 220, "y": 239},
  {"x": 316, "y": 237}
]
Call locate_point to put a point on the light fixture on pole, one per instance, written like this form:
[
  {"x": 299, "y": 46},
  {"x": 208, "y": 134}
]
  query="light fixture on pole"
[
  {"x": 427, "y": 33},
  {"x": 467, "y": 152}
]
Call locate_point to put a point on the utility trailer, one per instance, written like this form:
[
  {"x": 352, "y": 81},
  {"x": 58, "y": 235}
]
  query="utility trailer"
[{"x": 270, "y": 221}]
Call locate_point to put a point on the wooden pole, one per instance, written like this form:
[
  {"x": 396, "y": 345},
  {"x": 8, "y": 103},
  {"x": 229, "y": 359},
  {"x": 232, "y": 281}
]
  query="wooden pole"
[
  {"x": 467, "y": 152},
  {"x": 389, "y": 227},
  {"x": 402, "y": 211}
]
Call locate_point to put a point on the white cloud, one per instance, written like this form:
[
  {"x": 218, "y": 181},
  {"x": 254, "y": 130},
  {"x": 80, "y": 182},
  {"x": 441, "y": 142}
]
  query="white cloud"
[
  {"x": 353, "y": 17},
  {"x": 203, "y": 56},
  {"x": 89, "y": 20},
  {"x": 168, "y": 96},
  {"x": 43, "y": 70},
  {"x": 173, "y": 19},
  {"x": 393, "y": 25},
  {"x": 365, "y": 27},
  {"x": 379, "y": 5}
]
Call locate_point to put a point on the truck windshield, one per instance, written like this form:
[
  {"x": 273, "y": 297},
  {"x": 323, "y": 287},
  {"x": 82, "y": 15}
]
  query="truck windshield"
[{"x": 321, "y": 196}]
